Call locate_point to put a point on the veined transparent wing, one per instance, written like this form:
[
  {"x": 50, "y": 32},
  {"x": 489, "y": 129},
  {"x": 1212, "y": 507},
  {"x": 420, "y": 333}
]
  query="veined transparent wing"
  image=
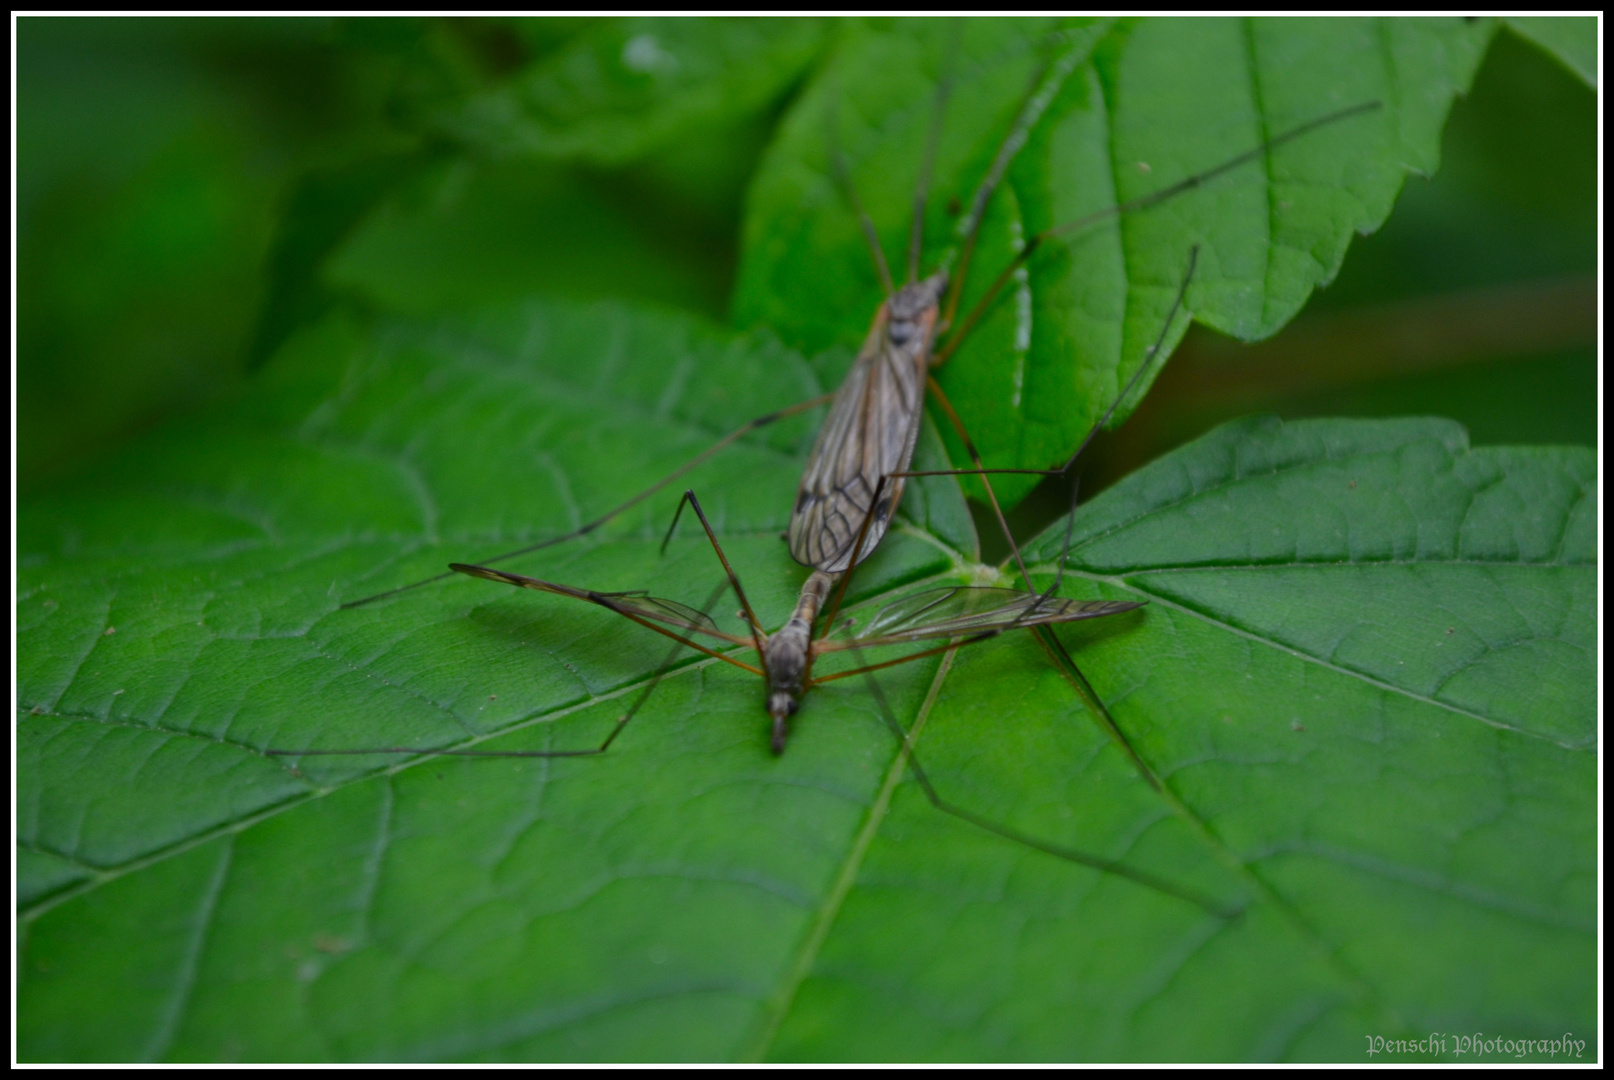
[
  {"x": 870, "y": 432},
  {"x": 632, "y": 604},
  {"x": 963, "y": 611}
]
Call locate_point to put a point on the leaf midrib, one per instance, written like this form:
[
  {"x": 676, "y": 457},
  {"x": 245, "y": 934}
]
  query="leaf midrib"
[{"x": 777, "y": 1007}]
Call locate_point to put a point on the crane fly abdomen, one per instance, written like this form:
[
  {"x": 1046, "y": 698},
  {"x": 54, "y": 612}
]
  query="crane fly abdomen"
[
  {"x": 870, "y": 433},
  {"x": 785, "y": 657}
]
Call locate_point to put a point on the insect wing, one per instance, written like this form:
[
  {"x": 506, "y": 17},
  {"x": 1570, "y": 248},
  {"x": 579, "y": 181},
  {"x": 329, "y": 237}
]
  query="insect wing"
[
  {"x": 671, "y": 613},
  {"x": 633, "y": 604},
  {"x": 870, "y": 432},
  {"x": 961, "y": 611}
]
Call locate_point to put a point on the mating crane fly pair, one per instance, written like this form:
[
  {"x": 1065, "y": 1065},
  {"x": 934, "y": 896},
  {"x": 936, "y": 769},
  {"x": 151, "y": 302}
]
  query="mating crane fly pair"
[{"x": 854, "y": 480}]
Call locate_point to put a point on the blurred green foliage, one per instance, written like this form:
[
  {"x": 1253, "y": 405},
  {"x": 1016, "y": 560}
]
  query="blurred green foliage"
[
  {"x": 190, "y": 190},
  {"x": 150, "y": 157}
]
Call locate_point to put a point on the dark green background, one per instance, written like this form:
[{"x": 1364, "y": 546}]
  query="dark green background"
[
  {"x": 1364, "y": 670},
  {"x": 157, "y": 160}
]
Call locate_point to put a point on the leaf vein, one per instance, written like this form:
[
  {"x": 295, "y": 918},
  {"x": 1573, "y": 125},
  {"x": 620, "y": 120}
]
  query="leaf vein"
[{"x": 190, "y": 961}]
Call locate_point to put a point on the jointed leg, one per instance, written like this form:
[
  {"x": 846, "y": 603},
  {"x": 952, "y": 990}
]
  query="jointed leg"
[
  {"x": 605, "y": 744},
  {"x": 982, "y": 471},
  {"x": 584, "y": 530},
  {"x": 1044, "y": 85},
  {"x": 1046, "y": 638},
  {"x": 734, "y": 579},
  {"x": 1142, "y": 202},
  {"x": 1008, "y": 832}
]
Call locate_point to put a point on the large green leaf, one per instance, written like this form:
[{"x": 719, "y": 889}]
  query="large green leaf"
[
  {"x": 1144, "y": 104},
  {"x": 1365, "y": 675}
]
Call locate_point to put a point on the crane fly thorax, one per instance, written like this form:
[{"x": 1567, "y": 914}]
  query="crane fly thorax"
[
  {"x": 785, "y": 655},
  {"x": 910, "y": 315}
]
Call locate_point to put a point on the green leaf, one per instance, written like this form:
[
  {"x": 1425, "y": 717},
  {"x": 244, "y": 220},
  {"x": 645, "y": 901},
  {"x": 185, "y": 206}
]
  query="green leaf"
[
  {"x": 471, "y": 233},
  {"x": 1392, "y": 514},
  {"x": 1572, "y": 41},
  {"x": 628, "y": 87},
  {"x": 1408, "y": 816},
  {"x": 614, "y": 167},
  {"x": 1145, "y": 104}
]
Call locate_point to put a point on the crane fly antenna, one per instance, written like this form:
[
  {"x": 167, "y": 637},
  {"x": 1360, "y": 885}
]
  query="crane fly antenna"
[
  {"x": 921, "y": 194},
  {"x": 843, "y": 180}
]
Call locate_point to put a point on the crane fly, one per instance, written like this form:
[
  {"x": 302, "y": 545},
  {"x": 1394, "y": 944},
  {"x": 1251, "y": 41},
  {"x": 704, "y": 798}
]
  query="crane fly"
[
  {"x": 954, "y": 615},
  {"x": 861, "y": 459},
  {"x": 868, "y": 436},
  {"x": 786, "y": 656},
  {"x": 854, "y": 480},
  {"x": 968, "y": 613}
]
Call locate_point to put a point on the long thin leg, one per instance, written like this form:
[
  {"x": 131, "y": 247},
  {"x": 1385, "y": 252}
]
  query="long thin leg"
[
  {"x": 1044, "y": 85},
  {"x": 584, "y": 530},
  {"x": 1063, "y": 662},
  {"x": 862, "y": 535},
  {"x": 734, "y": 579},
  {"x": 921, "y": 191},
  {"x": 1142, "y": 202},
  {"x": 605, "y": 744},
  {"x": 1008, "y": 832},
  {"x": 980, "y": 468},
  {"x": 843, "y": 180},
  {"x": 1046, "y": 638},
  {"x": 623, "y": 603}
]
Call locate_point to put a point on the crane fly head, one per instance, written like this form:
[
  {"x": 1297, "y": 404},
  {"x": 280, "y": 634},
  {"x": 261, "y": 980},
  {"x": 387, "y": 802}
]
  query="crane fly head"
[
  {"x": 782, "y": 705},
  {"x": 912, "y": 311},
  {"x": 785, "y": 661}
]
